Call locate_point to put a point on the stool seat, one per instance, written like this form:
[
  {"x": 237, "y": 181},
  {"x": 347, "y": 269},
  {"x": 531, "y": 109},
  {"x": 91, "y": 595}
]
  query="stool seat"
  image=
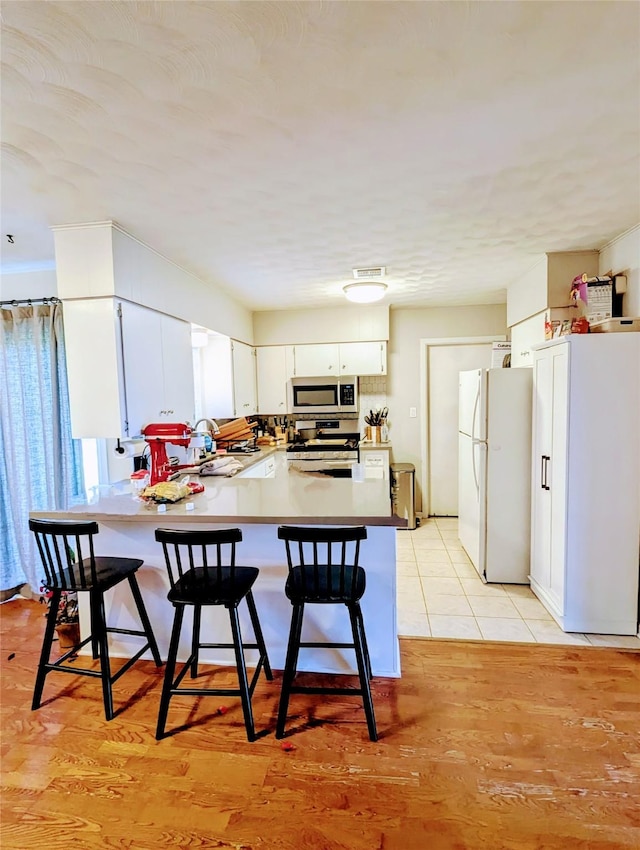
[
  {"x": 67, "y": 553},
  {"x": 323, "y": 569},
  {"x": 202, "y": 572},
  {"x": 198, "y": 588},
  {"x": 324, "y": 583}
]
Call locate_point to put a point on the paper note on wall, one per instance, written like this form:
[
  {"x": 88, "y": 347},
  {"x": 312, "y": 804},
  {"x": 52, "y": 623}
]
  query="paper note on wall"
[{"x": 500, "y": 354}]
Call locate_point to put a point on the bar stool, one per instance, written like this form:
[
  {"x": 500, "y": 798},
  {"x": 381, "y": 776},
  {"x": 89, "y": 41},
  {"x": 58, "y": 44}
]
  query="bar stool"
[
  {"x": 67, "y": 553},
  {"x": 200, "y": 578},
  {"x": 326, "y": 572}
]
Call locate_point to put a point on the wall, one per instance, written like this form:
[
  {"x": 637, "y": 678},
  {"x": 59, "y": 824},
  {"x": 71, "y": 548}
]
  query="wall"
[
  {"x": 622, "y": 256},
  {"x": 408, "y": 327},
  {"x": 100, "y": 258},
  {"x": 332, "y": 324},
  {"x": 37, "y": 284}
]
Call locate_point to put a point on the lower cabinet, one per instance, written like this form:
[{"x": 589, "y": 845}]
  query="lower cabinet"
[
  {"x": 262, "y": 469},
  {"x": 586, "y": 468}
]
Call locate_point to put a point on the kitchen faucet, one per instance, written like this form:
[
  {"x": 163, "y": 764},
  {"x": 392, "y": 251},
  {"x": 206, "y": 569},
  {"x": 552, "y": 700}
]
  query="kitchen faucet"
[{"x": 213, "y": 425}]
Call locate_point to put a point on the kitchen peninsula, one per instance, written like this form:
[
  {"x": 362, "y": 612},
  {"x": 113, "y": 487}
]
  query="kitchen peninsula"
[{"x": 258, "y": 506}]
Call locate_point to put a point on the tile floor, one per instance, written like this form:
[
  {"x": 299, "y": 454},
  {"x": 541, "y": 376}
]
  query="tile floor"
[{"x": 441, "y": 595}]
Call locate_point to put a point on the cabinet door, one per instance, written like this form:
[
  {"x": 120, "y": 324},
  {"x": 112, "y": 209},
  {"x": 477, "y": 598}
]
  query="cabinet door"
[
  {"x": 177, "y": 370},
  {"x": 311, "y": 361},
  {"x": 143, "y": 366},
  {"x": 541, "y": 495},
  {"x": 363, "y": 358},
  {"x": 244, "y": 379},
  {"x": 94, "y": 367},
  {"x": 549, "y": 495},
  {"x": 274, "y": 368},
  {"x": 558, "y": 473},
  {"x": 216, "y": 372},
  {"x": 523, "y": 336}
]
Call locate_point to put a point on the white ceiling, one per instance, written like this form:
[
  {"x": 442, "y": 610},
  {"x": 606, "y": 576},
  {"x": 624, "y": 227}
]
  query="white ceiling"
[{"x": 271, "y": 147}]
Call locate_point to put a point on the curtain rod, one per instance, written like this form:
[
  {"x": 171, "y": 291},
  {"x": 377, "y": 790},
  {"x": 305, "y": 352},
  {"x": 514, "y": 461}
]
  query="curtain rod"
[{"x": 15, "y": 302}]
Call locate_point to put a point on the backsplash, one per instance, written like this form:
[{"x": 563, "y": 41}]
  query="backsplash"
[{"x": 373, "y": 393}]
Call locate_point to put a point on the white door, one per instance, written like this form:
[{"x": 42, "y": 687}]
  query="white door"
[{"x": 445, "y": 362}]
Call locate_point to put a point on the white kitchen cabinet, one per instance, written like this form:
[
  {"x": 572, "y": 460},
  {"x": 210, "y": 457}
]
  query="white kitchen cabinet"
[
  {"x": 262, "y": 469},
  {"x": 363, "y": 358},
  {"x": 127, "y": 366},
  {"x": 228, "y": 370},
  {"x": 376, "y": 461},
  {"x": 310, "y": 361},
  {"x": 245, "y": 394},
  {"x": 274, "y": 368},
  {"x": 158, "y": 366},
  {"x": 345, "y": 358},
  {"x": 524, "y": 335},
  {"x": 586, "y": 481}
]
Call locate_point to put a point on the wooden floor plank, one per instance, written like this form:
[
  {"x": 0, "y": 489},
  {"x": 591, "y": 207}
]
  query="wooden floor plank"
[{"x": 499, "y": 746}]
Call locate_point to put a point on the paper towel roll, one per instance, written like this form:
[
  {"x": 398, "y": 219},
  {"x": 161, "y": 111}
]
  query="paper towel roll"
[{"x": 130, "y": 448}]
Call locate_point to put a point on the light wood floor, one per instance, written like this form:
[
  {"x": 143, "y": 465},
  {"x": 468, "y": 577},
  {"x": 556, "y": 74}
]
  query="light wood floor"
[{"x": 483, "y": 745}]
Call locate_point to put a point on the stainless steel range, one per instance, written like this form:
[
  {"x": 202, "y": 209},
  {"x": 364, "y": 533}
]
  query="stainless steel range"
[{"x": 332, "y": 451}]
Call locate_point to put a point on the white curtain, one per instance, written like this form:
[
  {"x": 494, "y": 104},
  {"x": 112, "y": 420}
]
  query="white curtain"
[{"x": 40, "y": 463}]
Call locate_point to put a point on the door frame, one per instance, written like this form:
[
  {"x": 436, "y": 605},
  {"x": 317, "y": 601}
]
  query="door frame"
[{"x": 425, "y": 345}]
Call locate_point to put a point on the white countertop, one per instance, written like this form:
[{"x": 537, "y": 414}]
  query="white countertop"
[{"x": 289, "y": 497}]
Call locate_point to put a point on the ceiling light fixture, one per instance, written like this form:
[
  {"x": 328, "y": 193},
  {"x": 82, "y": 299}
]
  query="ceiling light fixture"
[{"x": 365, "y": 292}]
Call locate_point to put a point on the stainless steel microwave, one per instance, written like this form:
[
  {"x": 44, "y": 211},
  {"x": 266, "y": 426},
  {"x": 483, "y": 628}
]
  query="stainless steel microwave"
[{"x": 323, "y": 395}]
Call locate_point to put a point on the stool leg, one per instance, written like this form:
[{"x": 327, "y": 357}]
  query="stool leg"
[
  {"x": 195, "y": 640},
  {"x": 95, "y": 648},
  {"x": 243, "y": 682},
  {"x": 100, "y": 625},
  {"x": 365, "y": 647},
  {"x": 45, "y": 652},
  {"x": 169, "y": 671},
  {"x": 363, "y": 672},
  {"x": 255, "y": 622},
  {"x": 144, "y": 619},
  {"x": 290, "y": 665}
]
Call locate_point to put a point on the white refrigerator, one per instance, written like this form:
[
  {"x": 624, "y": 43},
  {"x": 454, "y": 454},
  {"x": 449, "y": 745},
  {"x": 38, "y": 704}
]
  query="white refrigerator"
[{"x": 494, "y": 472}]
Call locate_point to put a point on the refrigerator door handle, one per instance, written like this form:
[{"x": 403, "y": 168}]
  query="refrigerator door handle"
[
  {"x": 544, "y": 469},
  {"x": 475, "y": 443},
  {"x": 475, "y": 413}
]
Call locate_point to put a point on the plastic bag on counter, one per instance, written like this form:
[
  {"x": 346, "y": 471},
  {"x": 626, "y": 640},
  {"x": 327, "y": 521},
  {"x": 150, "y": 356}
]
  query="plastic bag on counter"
[{"x": 225, "y": 466}]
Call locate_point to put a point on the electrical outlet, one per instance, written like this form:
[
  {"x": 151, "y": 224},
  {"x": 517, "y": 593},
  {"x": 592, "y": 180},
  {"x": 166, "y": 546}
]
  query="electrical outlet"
[{"x": 413, "y": 412}]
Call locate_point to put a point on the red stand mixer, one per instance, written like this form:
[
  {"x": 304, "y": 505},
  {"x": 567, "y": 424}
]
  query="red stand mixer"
[{"x": 157, "y": 435}]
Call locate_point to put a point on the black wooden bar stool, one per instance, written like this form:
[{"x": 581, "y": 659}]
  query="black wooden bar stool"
[
  {"x": 67, "y": 553},
  {"x": 202, "y": 572},
  {"x": 323, "y": 569}
]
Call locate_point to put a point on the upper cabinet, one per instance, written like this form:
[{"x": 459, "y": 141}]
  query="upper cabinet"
[
  {"x": 310, "y": 361},
  {"x": 245, "y": 396},
  {"x": 274, "y": 368},
  {"x": 345, "y": 358},
  {"x": 363, "y": 358},
  {"x": 127, "y": 366},
  {"x": 228, "y": 377}
]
